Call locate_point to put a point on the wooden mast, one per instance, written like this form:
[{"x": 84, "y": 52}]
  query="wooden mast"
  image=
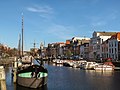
[
  {"x": 22, "y": 34},
  {"x": 19, "y": 46}
]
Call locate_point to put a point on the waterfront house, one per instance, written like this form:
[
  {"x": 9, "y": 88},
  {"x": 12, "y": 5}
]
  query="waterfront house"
[
  {"x": 104, "y": 47},
  {"x": 76, "y": 44},
  {"x": 95, "y": 43},
  {"x": 84, "y": 50},
  {"x": 114, "y": 47},
  {"x": 55, "y": 49}
]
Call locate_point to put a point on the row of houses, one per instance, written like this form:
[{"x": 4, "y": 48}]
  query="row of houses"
[
  {"x": 105, "y": 45},
  {"x": 102, "y": 45}
]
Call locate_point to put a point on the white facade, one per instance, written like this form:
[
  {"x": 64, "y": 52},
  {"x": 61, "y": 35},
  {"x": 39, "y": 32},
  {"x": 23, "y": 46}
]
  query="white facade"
[
  {"x": 113, "y": 49},
  {"x": 61, "y": 49},
  {"x": 80, "y": 39},
  {"x": 96, "y": 41}
]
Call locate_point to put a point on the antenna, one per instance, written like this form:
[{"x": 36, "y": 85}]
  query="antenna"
[
  {"x": 34, "y": 44},
  {"x": 44, "y": 43},
  {"x": 41, "y": 45}
]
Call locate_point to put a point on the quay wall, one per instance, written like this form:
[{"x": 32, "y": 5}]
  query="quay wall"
[{"x": 6, "y": 61}]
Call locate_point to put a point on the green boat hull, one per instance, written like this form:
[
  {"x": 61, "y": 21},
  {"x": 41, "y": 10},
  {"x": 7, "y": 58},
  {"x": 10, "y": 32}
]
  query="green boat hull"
[
  {"x": 29, "y": 78},
  {"x": 32, "y": 82}
]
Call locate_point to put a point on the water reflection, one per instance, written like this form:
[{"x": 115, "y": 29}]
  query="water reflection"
[
  {"x": 105, "y": 73},
  {"x": 11, "y": 86},
  {"x": 54, "y": 64},
  {"x": 66, "y": 78},
  {"x": 99, "y": 73},
  {"x": 23, "y": 88}
]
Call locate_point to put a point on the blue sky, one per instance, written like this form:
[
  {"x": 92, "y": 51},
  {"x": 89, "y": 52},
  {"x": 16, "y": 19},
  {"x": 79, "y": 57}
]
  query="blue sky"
[{"x": 56, "y": 20}]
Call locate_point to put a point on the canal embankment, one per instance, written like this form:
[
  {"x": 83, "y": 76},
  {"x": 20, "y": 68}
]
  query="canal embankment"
[
  {"x": 6, "y": 61},
  {"x": 2, "y": 78}
]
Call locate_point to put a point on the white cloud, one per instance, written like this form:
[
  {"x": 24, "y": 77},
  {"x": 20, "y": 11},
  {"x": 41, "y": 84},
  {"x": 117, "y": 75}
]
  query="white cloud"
[
  {"x": 40, "y": 9},
  {"x": 60, "y": 31},
  {"x": 103, "y": 19},
  {"x": 43, "y": 11}
]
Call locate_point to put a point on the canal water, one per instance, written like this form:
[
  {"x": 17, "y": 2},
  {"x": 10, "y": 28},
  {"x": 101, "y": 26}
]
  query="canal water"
[{"x": 66, "y": 78}]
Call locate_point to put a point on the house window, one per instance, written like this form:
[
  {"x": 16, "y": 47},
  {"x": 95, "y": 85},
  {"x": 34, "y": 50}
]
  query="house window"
[
  {"x": 115, "y": 44},
  {"x": 115, "y": 50},
  {"x": 109, "y": 44},
  {"x": 110, "y": 50}
]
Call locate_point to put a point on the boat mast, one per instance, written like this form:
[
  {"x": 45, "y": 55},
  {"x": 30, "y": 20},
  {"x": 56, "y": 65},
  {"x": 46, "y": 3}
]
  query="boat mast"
[
  {"x": 19, "y": 46},
  {"x": 22, "y": 33}
]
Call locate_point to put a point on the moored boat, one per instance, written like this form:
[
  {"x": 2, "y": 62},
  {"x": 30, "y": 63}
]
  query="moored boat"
[
  {"x": 33, "y": 76},
  {"x": 104, "y": 68},
  {"x": 68, "y": 63},
  {"x": 89, "y": 65},
  {"x": 59, "y": 62},
  {"x": 76, "y": 65}
]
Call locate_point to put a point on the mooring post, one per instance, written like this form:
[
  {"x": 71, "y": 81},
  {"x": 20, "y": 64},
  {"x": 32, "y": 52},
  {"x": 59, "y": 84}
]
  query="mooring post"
[
  {"x": 2, "y": 78},
  {"x": 15, "y": 70}
]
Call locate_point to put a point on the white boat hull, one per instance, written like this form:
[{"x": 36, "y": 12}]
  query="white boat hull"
[{"x": 104, "y": 68}]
